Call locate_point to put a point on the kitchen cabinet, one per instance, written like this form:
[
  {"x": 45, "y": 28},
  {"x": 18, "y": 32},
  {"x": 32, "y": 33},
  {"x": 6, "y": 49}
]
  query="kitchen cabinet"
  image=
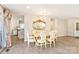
[
  {"x": 76, "y": 28},
  {"x": 21, "y": 33}
]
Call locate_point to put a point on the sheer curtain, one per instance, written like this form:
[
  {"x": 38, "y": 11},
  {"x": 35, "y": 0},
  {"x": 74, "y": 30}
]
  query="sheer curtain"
[
  {"x": 2, "y": 34},
  {"x": 7, "y": 25}
]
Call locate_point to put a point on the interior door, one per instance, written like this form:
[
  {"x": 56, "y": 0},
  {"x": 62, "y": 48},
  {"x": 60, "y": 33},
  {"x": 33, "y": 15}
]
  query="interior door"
[{"x": 77, "y": 28}]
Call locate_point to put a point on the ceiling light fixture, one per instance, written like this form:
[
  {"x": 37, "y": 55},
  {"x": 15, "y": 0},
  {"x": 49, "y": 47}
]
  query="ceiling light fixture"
[{"x": 27, "y": 7}]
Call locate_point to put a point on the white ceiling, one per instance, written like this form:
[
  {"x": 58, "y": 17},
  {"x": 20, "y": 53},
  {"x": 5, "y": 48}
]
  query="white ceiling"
[{"x": 59, "y": 10}]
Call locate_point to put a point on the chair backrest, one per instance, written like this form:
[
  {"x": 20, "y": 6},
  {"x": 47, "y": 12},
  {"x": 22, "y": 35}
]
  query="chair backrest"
[
  {"x": 43, "y": 35},
  {"x": 52, "y": 35},
  {"x": 27, "y": 36},
  {"x": 30, "y": 37}
]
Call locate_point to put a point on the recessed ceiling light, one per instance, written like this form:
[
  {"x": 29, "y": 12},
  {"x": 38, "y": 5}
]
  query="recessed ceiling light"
[{"x": 28, "y": 7}]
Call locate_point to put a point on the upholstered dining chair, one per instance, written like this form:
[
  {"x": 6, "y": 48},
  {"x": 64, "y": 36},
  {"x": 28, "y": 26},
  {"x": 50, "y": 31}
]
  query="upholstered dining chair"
[
  {"x": 52, "y": 38},
  {"x": 42, "y": 40},
  {"x": 30, "y": 39}
]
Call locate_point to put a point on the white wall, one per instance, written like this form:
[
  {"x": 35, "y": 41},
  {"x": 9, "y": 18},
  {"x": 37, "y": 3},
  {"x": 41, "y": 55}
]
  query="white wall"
[
  {"x": 71, "y": 27},
  {"x": 27, "y": 26},
  {"x": 61, "y": 27}
]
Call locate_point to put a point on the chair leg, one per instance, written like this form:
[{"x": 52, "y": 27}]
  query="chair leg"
[
  {"x": 37, "y": 44},
  {"x": 50, "y": 44},
  {"x": 28, "y": 44},
  {"x": 45, "y": 45},
  {"x": 41, "y": 45},
  {"x": 54, "y": 43}
]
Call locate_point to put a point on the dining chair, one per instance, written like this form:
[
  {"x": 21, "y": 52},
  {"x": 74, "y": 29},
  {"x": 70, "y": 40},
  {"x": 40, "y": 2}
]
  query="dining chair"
[
  {"x": 30, "y": 39},
  {"x": 52, "y": 38},
  {"x": 42, "y": 40}
]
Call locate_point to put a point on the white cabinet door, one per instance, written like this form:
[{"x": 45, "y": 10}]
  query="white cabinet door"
[
  {"x": 14, "y": 32},
  {"x": 77, "y": 28},
  {"x": 21, "y": 34}
]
